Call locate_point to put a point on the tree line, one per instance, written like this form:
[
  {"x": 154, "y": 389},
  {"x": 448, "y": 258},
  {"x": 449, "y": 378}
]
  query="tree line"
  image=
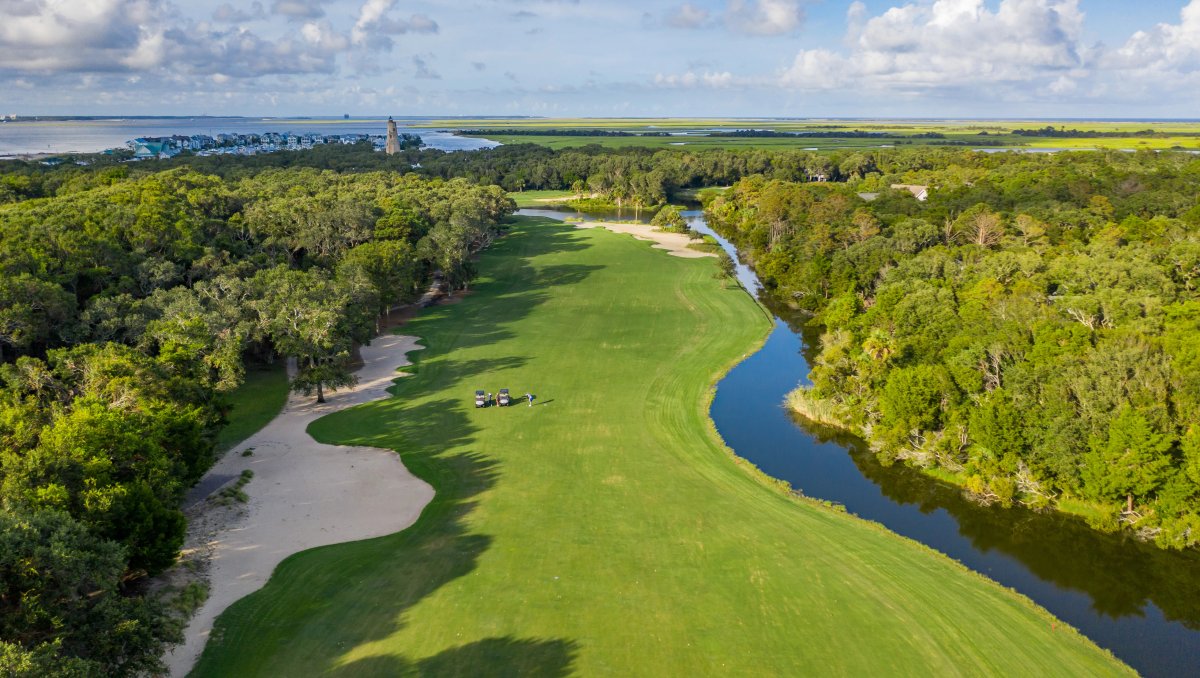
[
  {"x": 1064, "y": 133},
  {"x": 553, "y": 132},
  {"x": 130, "y": 302},
  {"x": 1031, "y": 330},
  {"x": 633, "y": 175}
]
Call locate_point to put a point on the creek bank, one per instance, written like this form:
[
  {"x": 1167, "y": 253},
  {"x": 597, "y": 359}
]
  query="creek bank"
[
  {"x": 1138, "y": 600},
  {"x": 823, "y": 412}
]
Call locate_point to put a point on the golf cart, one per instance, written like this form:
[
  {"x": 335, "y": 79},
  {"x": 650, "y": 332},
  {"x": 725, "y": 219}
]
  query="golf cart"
[
  {"x": 503, "y": 399},
  {"x": 480, "y": 399}
]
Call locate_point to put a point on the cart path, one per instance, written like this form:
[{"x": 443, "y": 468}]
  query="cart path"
[{"x": 305, "y": 494}]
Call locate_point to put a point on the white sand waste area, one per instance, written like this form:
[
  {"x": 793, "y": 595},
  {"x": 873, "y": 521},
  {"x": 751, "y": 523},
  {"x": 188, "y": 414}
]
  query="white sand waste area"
[
  {"x": 305, "y": 494},
  {"x": 675, "y": 243}
]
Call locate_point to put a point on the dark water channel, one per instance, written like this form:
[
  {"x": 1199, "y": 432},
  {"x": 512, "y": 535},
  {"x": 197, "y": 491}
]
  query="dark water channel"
[{"x": 1141, "y": 602}]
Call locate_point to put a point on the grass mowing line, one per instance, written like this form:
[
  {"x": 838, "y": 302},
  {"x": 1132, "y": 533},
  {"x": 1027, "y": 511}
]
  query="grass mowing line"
[
  {"x": 254, "y": 404},
  {"x": 607, "y": 530}
]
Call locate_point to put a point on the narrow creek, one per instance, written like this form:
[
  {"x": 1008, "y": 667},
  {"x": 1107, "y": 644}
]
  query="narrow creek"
[{"x": 1140, "y": 602}]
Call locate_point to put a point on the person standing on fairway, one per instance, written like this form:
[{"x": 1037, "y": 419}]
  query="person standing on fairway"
[{"x": 530, "y": 397}]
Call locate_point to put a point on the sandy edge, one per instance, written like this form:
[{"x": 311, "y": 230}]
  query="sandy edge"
[
  {"x": 304, "y": 494},
  {"x": 676, "y": 244}
]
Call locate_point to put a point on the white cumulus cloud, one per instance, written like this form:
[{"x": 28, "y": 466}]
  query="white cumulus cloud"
[
  {"x": 950, "y": 44},
  {"x": 85, "y": 35},
  {"x": 1165, "y": 50},
  {"x": 745, "y": 17},
  {"x": 51, "y": 37},
  {"x": 765, "y": 17},
  {"x": 374, "y": 27}
]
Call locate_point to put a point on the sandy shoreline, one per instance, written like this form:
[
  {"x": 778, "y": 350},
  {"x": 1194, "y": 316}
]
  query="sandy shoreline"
[
  {"x": 304, "y": 494},
  {"x": 674, "y": 243}
]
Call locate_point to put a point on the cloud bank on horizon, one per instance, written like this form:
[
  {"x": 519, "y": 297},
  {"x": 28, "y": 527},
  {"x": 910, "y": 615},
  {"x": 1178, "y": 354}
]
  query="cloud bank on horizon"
[{"x": 874, "y": 58}]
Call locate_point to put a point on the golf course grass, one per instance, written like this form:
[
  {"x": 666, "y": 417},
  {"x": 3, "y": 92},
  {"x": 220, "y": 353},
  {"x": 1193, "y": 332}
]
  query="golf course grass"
[
  {"x": 253, "y": 404},
  {"x": 606, "y": 530},
  {"x": 541, "y": 198}
]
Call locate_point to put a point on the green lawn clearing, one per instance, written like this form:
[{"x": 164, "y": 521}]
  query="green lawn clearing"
[
  {"x": 542, "y": 198},
  {"x": 253, "y": 404},
  {"x": 606, "y": 531}
]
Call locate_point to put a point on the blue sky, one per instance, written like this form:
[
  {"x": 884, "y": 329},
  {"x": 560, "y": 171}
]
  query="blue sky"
[{"x": 803, "y": 58}]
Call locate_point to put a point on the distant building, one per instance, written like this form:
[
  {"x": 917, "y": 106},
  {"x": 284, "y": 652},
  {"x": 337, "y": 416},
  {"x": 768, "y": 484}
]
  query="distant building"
[
  {"x": 152, "y": 148},
  {"x": 241, "y": 144},
  {"x": 393, "y": 138},
  {"x": 919, "y": 192}
]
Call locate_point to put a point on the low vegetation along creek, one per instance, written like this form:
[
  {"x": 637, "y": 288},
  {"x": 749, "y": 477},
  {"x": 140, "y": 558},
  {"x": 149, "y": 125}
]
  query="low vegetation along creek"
[{"x": 1026, "y": 332}]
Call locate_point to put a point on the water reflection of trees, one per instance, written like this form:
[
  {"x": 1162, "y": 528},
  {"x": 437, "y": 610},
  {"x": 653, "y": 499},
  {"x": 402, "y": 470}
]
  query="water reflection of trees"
[{"x": 1119, "y": 573}]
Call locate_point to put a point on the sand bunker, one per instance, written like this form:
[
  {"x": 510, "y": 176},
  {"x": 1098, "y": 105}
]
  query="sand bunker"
[
  {"x": 674, "y": 243},
  {"x": 304, "y": 494}
]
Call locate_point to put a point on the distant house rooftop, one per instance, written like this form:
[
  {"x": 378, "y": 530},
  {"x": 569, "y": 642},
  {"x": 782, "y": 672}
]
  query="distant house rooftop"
[{"x": 919, "y": 192}]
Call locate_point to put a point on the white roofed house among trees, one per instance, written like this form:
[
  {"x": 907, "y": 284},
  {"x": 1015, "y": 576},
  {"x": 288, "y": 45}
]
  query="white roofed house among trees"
[{"x": 919, "y": 192}]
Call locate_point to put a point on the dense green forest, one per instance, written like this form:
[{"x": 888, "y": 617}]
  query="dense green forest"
[
  {"x": 131, "y": 300},
  {"x": 624, "y": 176},
  {"x": 1032, "y": 330},
  {"x": 638, "y": 175}
]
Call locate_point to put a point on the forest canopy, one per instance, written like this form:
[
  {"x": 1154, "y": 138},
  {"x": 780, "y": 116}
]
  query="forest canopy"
[
  {"x": 1032, "y": 329},
  {"x": 130, "y": 304}
]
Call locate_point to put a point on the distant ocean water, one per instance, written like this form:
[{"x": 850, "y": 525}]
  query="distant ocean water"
[{"x": 93, "y": 136}]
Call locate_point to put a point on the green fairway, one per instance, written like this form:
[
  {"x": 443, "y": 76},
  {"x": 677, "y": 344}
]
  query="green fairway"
[
  {"x": 256, "y": 402},
  {"x": 606, "y": 530},
  {"x": 542, "y": 198}
]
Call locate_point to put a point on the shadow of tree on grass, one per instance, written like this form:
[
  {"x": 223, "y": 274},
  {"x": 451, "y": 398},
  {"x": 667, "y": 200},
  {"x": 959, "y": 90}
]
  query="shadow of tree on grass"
[
  {"x": 345, "y": 595},
  {"x": 495, "y": 657},
  {"x": 341, "y": 597}
]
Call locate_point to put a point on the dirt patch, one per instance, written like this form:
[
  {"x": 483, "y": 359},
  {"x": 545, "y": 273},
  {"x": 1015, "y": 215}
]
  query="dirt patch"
[
  {"x": 400, "y": 315},
  {"x": 453, "y": 298},
  {"x": 676, "y": 244}
]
